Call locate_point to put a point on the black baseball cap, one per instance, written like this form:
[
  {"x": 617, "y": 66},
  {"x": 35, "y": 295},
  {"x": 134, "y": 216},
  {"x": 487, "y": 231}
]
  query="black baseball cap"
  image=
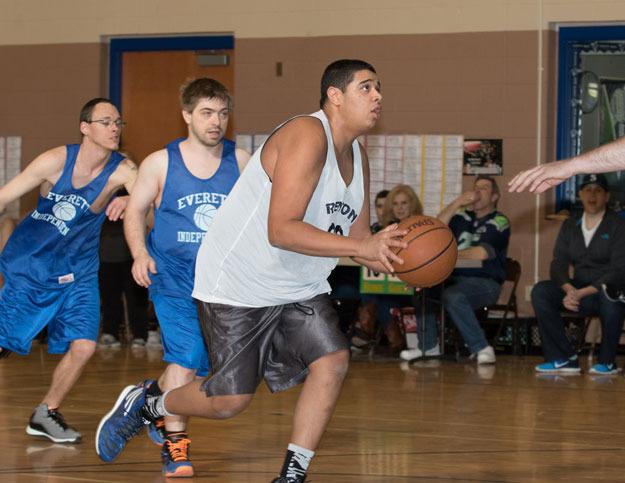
[{"x": 598, "y": 179}]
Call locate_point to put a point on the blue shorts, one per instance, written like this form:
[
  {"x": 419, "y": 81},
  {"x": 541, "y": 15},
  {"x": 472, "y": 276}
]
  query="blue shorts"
[
  {"x": 183, "y": 342},
  {"x": 71, "y": 313}
]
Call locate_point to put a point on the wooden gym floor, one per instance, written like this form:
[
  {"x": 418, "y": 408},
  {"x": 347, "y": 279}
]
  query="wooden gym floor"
[{"x": 439, "y": 421}]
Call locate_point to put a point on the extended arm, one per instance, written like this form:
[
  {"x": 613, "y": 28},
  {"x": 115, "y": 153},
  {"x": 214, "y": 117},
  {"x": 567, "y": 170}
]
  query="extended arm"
[
  {"x": 609, "y": 157},
  {"x": 45, "y": 167}
]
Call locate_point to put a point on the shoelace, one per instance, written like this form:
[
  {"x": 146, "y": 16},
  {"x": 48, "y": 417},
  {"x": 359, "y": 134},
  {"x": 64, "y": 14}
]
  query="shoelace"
[
  {"x": 178, "y": 450},
  {"x": 58, "y": 419}
]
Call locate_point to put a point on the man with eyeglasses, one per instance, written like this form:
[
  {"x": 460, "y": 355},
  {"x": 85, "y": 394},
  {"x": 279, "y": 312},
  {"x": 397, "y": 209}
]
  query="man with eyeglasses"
[
  {"x": 186, "y": 183},
  {"x": 50, "y": 262}
]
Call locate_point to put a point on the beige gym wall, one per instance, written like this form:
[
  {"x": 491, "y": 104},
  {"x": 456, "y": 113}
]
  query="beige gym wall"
[
  {"x": 447, "y": 66},
  {"x": 84, "y": 21}
]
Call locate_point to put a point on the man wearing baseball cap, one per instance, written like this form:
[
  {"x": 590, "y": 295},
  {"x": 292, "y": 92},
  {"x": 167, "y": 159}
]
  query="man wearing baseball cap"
[{"x": 594, "y": 245}]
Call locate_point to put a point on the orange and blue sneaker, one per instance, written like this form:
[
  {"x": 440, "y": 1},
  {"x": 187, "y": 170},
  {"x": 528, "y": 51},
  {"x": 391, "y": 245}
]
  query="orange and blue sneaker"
[
  {"x": 156, "y": 431},
  {"x": 175, "y": 456}
]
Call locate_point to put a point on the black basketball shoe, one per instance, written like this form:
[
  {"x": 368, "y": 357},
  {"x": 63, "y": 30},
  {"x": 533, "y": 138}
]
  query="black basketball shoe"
[{"x": 614, "y": 293}]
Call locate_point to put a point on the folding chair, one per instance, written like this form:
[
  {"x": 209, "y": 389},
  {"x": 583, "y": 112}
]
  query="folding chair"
[{"x": 505, "y": 312}]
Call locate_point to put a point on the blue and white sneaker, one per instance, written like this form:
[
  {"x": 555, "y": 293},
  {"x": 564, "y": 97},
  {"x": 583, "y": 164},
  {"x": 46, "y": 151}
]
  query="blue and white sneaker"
[
  {"x": 564, "y": 366},
  {"x": 156, "y": 431},
  {"x": 122, "y": 422},
  {"x": 604, "y": 369}
]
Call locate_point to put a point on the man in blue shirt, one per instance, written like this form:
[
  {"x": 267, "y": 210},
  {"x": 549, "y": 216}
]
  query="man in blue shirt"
[
  {"x": 50, "y": 262},
  {"x": 185, "y": 183},
  {"x": 482, "y": 233}
]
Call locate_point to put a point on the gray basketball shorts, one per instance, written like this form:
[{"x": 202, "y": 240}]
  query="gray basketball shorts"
[{"x": 278, "y": 343}]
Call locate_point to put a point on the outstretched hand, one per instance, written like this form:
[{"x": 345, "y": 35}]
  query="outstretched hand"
[
  {"x": 541, "y": 178},
  {"x": 382, "y": 246}
]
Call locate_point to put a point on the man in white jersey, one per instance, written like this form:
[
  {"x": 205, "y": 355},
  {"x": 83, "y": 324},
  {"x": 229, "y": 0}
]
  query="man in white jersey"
[{"x": 302, "y": 202}]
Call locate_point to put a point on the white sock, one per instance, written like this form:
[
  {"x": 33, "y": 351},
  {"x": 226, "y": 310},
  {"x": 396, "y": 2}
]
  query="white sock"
[{"x": 160, "y": 405}]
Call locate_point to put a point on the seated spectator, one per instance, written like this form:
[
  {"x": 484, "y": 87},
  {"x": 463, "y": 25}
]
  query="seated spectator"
[
  {"x": 400, "y": 203},
  {"x": 594, "y": 245},
  {"x": 482, "y": 233},
  {"x": 380, "y": 202}
]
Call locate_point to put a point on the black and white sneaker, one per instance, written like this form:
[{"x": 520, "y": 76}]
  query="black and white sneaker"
[
  {"x": 614, "y": 293},
  {"x": 283, "y": 479},
  {"x": 51, "y": 424}
]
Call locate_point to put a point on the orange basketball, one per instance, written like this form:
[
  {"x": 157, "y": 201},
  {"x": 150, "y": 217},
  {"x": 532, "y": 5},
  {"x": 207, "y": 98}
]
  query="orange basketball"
[{"x": 431, "y": 253}]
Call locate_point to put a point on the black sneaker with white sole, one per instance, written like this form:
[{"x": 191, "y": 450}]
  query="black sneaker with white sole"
[
  {"x": 614, "y": 293},
  {"x": 51, "y": 424}
]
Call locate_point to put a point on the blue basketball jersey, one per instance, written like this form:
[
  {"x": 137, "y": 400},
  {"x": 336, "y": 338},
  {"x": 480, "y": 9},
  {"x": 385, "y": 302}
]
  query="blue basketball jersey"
[
  {"x": 187, "y": 208},
  {"x": 57, "y": 243}
]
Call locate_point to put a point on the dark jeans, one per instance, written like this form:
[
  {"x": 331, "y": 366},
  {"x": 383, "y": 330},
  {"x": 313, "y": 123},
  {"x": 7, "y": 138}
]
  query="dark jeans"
[
  {"x": 547, "y": 302},
  {"x": 115, "y": 280},
  {"x": 461, "y": 296}
]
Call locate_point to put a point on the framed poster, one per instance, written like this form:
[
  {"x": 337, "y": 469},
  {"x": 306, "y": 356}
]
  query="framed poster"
[{"x": 483, "y": 156}]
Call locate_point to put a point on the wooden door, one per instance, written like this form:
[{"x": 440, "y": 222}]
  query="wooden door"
[{"x": 150, "y": 97}]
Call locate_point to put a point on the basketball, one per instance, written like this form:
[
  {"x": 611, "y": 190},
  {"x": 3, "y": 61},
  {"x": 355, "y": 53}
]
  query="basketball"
[{"x": 431, "y": 253}]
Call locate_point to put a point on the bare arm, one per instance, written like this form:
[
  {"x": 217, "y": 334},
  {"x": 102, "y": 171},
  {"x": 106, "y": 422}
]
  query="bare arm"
[
  {"x": 45, "y": 167},
  {"x": 130, "y": 174},
  {"x": 125, "y": 176},
  {"x": 242, "y": 158},
  {"x": 145, "y": 191},
  {"x": 465, "y": 199},
  {"x": 609, "y": 157},
  {"x": 300, "y": 149}
]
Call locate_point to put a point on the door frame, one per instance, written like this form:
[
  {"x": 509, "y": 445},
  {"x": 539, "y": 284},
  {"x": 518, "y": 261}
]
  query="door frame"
[
  {"x": 569, "y": 41},
  {"x": 119, "y": 45}
]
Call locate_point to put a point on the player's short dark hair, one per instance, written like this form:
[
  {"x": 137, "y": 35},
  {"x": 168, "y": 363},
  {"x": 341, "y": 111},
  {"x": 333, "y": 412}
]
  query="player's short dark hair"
[
  {"x": 339, "y": 74},
  {"x": 193, "y": 90},
  {"x": 87, "y": 109}
]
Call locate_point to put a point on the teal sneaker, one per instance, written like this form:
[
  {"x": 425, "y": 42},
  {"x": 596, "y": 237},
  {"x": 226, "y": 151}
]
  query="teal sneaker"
[
  {"x": 564, "y": 366},
  {"x": 604, "y": 369}
]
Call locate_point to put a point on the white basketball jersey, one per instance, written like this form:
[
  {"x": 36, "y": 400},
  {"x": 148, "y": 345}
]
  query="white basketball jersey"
[{"x": 236, "y": 265}]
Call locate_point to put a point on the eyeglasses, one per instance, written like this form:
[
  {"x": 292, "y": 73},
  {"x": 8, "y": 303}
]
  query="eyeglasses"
[{"x": 107, "y": 122}]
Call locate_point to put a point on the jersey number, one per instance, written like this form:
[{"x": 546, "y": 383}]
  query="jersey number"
[{"x": 336, "y": 229}]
